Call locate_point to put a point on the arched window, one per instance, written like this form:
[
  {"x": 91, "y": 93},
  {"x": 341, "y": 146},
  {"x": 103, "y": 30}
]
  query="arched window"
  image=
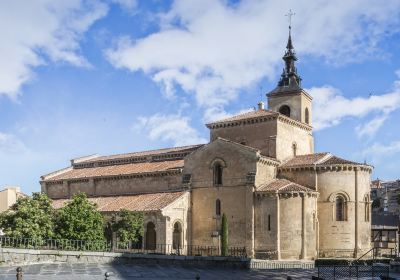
[
  {"x": 218, "y": 174},
  {"x": 307, "y": 116},
  {"x": 367, "y": 208},
  {"x": 340, "y": 208},
  {"x": 294, "y": 148},
  {"x": 218, "y": 207},
  {"x": 177, "y": 236},
  {"x": 285, "y": 110},
  {"x": 150, "y": 236}
]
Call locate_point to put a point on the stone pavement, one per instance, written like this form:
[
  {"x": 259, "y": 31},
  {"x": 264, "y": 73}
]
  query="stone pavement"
[{"x": 119, "y": 271}]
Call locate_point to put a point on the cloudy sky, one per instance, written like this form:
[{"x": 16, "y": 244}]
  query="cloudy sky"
[{"x": 83, "y": 77}]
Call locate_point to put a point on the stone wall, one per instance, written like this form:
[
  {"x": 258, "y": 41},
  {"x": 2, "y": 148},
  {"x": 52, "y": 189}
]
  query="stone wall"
[
  {"x": 289, "y": 135},
  {"x": 260, "y": 135},
  {"x": 112, "y": 186},
  {"x": 350, "y": 237},
  {"x": 26, "y": 257},
  {"x": 235, "y": 195}
]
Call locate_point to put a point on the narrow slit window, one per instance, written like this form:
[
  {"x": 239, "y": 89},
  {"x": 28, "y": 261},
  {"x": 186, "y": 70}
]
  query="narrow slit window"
[
  {"x": 269, "y": 222},
  {"x": 218, "y": 207}
]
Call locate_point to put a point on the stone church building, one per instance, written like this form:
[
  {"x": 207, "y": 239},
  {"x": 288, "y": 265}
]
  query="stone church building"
[{"x": 282, "y": 200}]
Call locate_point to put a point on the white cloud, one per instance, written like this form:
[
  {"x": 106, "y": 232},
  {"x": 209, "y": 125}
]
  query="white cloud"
[
  {"x": 330, "y": 107},
  {"x": 371, "y": 127},
  {"x": 214, "y": 50},
  {"x": 35, "y": 32},
  {"x": 172, "y": 128},
  {"x": 378, "y": 151},
  {"x": 128, "y": 5},
  {"x": 10, "y": 145}
]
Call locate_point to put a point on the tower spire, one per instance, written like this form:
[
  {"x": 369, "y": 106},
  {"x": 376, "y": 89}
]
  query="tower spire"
[{"x": 289, "y": 77}]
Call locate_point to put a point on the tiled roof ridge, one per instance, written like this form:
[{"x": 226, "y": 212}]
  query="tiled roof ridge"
[
  {"x": 55, "y": 173},
  {"x": 244, "y": 116},
  {"x": 295, "y": 187},
  {"x": 110, "y": 171},
  {"x": 249, "y": 148},
  {"x": 164, "y": 154},
  {"x": 325, "y": 158},
  {"x": 319, "y": 159},
  {"x": 155, "y": 201}
]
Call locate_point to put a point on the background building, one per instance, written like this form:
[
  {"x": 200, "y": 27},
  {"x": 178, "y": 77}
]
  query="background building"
[{"x": 8, "y": 196}]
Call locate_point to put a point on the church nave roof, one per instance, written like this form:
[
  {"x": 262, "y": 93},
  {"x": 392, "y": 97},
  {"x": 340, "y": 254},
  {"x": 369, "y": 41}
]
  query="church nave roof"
[
  {"x": 139, "y": 202},
  {"x": 282, "y": 186},
  {"x": 317, "y": 159}
]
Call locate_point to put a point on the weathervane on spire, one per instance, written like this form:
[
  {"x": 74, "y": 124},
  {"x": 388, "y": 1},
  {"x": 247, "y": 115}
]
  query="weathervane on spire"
[{"x": 289, "y": 15}]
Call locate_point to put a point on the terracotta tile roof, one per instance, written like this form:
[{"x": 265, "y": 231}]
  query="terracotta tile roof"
[
  {"x": 282, "y": 186},
  {"x": 247, "y": 115},
  {"x": 121, "y": 169},
  {"x": 145, "y": 153},
  {"x": 338, "y": 160},
  {"x": 305, "y": 160},
  {"x": 139, "y": 202},
  {"x": 318, "y": 159}
]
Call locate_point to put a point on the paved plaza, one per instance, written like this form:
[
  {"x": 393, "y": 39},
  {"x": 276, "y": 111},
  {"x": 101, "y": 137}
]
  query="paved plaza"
[{"x": 96, "y": 271}]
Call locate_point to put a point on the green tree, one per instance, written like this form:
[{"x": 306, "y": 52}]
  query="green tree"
[
  {"x": 376, "y": 203},
  {"x": 224, "y": 236},
  {"x": 129, "y": 226},
  {"x": 29, "y": 217},
  {"x": 79, "y": 220}
]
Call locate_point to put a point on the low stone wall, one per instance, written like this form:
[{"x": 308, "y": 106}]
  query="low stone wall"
[{"x": 26, "y": 257}]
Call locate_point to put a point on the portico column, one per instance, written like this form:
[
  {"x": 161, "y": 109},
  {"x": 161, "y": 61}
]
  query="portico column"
[
  {"x": 303, "y": 227},
  {"x": 278, "y": 230}
]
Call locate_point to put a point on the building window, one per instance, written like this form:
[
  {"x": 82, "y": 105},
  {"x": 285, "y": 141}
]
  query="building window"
[
  {"x": 366, "y": 208},
  {"x": 218, "y": 174},
  {"x": 340, "y": 208},
  {"x": 285, "y": 110},
  {"x": 177, "y": 236},
  {"x": 218, "y": 207},
  {"x": 314, "y": 221},
  {"x": 269, "y": 222},
  {"x": 307, "y": 116},
  {"x": 151, "y": 236},
  {"x": 294, "y": 148}
]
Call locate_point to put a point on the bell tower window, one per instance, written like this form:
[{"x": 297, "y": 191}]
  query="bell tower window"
[
  {"x": 285, "y": 110},
  {"x": 307, "y": 116}
]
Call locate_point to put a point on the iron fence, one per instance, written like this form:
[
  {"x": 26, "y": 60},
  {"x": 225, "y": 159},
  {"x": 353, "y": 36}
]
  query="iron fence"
[
  {"x": 128, "y": 247},
  {"x": 55, "y": 244},
  {"x": 353, "y": 271}
]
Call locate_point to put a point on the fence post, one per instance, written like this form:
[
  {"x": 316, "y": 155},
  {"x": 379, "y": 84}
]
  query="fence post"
[
  {"x": 334, "y": 272},
  {"x": 19, "y": 273}
]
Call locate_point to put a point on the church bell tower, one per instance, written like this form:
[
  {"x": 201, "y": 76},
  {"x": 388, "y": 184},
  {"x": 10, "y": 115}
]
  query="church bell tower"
[{"x": 288, "y": 98}]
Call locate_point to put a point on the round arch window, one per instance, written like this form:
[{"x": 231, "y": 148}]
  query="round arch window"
[{"x": 285, "y": 110}]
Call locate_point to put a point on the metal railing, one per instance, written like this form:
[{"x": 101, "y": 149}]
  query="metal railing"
[
  {"x": 353, "y": 271},
  {"x": 54, "y": 244},
  {"x": 129, "y": 247}
]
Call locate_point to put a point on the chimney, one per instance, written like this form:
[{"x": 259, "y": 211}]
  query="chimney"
[{"x": 260, "y": 105}]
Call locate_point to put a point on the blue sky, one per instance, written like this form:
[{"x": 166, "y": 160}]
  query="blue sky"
[{"x": 83, "y": 77}]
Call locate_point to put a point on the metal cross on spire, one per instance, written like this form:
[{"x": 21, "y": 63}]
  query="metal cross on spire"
[{"x": 289, "y": 15}]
